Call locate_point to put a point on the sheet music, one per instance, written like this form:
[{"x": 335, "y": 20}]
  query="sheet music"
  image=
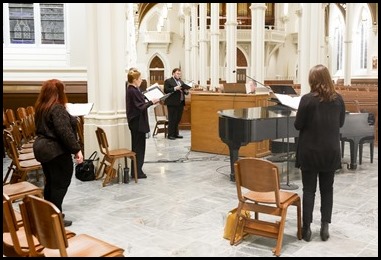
[
  {"x": 187, "y": 85},
  {"x": 154, "y": 92},
  {"x": 288, "y": 100},
  {"x": 79, "y": 109}
]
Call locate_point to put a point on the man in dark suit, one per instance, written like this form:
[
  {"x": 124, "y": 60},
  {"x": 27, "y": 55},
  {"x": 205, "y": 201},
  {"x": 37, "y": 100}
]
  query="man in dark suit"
[{"x": 175, "y": 102}]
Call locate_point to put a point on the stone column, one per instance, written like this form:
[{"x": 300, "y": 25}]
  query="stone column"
[
  {"x": 194, "y": 45},
  {"x": 106, "y": 75},
  {"x": 347, "y": 63},
  {"x": 257, "y": 57},
  {"x": 214, "y": 47},
  {"x": 187, "y": 43},
  {"x": 310, "y": 39},
  {"x": 231, "y": 42},
  {"x": 203, "y": 41}
]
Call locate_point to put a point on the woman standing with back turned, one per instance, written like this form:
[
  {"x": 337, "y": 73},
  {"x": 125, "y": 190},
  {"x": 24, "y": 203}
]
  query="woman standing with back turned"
[
  {"x": 56, "y": 141},
  {"x": 320, "y": 115}
]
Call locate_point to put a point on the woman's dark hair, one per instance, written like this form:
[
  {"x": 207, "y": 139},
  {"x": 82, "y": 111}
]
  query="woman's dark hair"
[
  {"x": 321, "y": 83},
  {"x": 52, "y": 92}
]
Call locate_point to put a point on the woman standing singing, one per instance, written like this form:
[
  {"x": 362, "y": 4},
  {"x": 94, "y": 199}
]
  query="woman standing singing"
[{"x": 320, "y": 116}]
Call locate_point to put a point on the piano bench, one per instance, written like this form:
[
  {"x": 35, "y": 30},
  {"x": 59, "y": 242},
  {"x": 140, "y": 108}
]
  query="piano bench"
[{"x": 370, "y": 140}]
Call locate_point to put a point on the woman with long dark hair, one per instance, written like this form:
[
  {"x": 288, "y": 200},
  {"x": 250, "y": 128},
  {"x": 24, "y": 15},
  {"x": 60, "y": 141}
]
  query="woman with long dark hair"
[
  {"x": 56, "y": 141},
  {"x": 320, "y": 115}
]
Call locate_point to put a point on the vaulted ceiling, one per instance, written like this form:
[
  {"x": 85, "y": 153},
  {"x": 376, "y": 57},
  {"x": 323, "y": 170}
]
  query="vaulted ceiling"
[{"x": 145, "y": 7}]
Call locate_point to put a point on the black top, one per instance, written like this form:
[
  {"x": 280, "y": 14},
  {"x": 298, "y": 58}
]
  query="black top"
[
  {"x": 174, "y": 98},
  {"x": 319, "y": 126},
  {"x": 136, "y": 108},
  {"x": 56, "y": 135}
]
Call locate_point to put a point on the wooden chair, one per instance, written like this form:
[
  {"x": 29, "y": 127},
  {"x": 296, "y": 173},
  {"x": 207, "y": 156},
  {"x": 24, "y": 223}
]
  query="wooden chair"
[
  {"x": 22, "y": 144},
  {"x": 11, "y": 116},
  {"x": 30, "y": 110},
  {"x": 161, "y": 117},
  {"x": 6, "y": 122},
  {"x": 21, "y": 168},
  {"x": 259, "y": 179},
  {"x": 42, "y": 219},
  {"x": 16, "y": 191},
  {"x": 19, "y": 190},
  {"x": 14, "y": 239},
  {"x": 21, "y": 113},
  {"x": 21, "y": 157},
  {"x": 106, "y": 166}
]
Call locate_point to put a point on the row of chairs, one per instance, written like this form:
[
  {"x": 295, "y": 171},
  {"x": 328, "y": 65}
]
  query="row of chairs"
[
  {"x": 19, "y": 149},
  {"x": 38, "y": 229},
  {"x": 18, "y": 138}
]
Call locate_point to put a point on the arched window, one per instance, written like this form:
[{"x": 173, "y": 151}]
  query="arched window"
[
  {"x": 339, "y": 47},
  {"x": 363, "y": 30}
]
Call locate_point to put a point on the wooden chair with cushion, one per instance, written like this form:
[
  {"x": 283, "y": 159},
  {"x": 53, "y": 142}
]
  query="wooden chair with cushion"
[
  {"x": 258, "y": 191},
  {"x": 106, "y": 166},
  {"x": 161, "y": 117},
  {"x": 43, "y": 220}
]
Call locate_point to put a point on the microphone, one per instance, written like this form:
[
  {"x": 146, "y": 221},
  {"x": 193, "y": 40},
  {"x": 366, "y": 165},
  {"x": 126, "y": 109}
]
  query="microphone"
[{"x": 257, "y": 82}]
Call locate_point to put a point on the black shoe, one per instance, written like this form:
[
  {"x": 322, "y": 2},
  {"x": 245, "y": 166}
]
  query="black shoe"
[
  {"x": 67, "y": 223},
  {"x": 142, "y": 176},
  {"x": 306, "y": 233},
  {"x": 171, "y": 138},
  {"x": 324, "y": 233},
  {"x": 179, "y": 136}
]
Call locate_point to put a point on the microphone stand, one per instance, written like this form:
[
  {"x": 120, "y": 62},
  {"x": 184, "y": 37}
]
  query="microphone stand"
[{"x": 287, "y": 185}]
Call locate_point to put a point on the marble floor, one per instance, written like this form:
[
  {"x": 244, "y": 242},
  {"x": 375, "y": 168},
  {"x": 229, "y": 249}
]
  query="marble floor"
[{"x": 180, "y": 209}]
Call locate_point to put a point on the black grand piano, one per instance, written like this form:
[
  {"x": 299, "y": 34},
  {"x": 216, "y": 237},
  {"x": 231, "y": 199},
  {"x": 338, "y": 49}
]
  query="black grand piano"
[{"x": 238, "y": 127}]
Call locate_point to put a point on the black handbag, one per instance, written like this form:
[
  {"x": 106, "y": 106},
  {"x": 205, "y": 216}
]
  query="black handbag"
[{"x": 85, "y": 171}]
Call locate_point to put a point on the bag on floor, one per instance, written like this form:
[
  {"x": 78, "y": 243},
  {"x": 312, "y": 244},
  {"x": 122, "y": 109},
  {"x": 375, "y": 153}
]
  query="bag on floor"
[
  {"x": 229, "y": 225},
  {"x": 85, "y": 171}
]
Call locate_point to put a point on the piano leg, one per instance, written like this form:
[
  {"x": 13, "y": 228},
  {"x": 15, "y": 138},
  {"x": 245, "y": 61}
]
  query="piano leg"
[
  {"x": 233, "y": 152},
  {"x": 354, "y": 145}
]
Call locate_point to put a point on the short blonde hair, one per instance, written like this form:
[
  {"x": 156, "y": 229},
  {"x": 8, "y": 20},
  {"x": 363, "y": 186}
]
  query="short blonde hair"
[{"x": 133, "y": 74}]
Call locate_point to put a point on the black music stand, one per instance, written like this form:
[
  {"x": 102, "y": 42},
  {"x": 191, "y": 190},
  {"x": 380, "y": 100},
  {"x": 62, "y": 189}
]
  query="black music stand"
[
  {"x": 288, "y": 185},
  {"x": 283, "y": 89}
]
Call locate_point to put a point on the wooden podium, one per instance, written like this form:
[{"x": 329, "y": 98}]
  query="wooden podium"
[{"x": 204, "y": 121}]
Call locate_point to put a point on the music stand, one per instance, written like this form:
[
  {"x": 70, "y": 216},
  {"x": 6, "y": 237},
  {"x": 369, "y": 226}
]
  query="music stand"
[
  {"x": 288, "y": 185},
  {"x": 283, "y": 89}
]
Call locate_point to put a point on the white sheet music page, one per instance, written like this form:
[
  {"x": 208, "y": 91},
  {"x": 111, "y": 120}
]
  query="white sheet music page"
[
  {"x": 288, "y": 100},
  {"x": 153, "y": 92},
  {"x": 79, "y": 109}
]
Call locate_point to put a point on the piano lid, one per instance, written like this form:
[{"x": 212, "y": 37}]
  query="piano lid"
[{"x": 253, "y": 113}]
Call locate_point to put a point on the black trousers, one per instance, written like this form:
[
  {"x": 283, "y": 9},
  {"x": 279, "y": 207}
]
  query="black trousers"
[
  {"x": 58, "y": 173},
  {"x": 174, "y": 117},
  {"x": 309, "y": 179},
  {"x": 138, "y": 145}
]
